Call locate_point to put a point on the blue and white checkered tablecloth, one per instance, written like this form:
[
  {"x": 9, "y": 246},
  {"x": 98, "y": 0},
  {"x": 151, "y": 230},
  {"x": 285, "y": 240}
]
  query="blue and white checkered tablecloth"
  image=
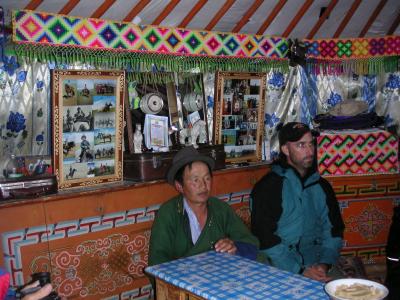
[{"x": 220, "y": 276}]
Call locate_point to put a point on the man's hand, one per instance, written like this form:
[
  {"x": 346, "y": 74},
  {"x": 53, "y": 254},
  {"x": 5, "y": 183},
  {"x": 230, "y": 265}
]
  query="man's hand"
[
  {"x": 43, "y": 292},
  {"x": 317, "y": 272},
  {"x": 225, "y": 245}
]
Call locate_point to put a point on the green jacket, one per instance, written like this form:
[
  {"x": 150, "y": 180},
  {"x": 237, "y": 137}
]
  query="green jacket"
[{"x": 171, "y": 235}]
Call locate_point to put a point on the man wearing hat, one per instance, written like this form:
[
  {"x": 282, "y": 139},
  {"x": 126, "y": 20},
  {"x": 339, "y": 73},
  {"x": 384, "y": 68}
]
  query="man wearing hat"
[
  {"x": 294, "y": 211},
  {"x": 193, "y": 222}
]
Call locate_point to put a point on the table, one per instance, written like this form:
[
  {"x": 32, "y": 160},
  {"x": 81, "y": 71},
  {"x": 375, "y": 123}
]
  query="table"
[{"x": 221, "y": 276}]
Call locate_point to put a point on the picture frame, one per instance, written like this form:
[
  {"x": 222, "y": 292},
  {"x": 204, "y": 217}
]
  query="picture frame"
[
  {"x": 239, "y": 115},
  {"x": 87, "y": 112}
]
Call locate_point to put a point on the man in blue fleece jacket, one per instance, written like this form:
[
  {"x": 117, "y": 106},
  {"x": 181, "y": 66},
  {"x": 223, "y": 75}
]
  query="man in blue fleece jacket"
[{"x": 294, "y": 211}]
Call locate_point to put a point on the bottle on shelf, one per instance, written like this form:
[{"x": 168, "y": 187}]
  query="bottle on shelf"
[{"x": 13, "y": 169}]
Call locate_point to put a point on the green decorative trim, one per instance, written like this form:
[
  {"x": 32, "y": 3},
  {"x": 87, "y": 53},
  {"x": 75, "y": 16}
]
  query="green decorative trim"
[{"x": 142, "y": 62}]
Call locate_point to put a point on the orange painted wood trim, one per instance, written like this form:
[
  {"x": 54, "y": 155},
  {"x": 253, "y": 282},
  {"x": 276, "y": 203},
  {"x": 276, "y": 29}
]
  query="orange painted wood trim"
[
  {"x": 322, "y": 19},
  {"x": 372, "y": 18},
  {"x": 199, "y": 5},
  {"x": 68, "y": 7},
  {"x": 33, "y": 4},
  {"x": 223, "y": 10},
  {"x": 102, "y": 8},
  {"x": 394, "y": 26},
  {"x": 297, "y": 17},
  {"x": 246, "y": 17},
  {"x": 347, "y": 18},
  {"x": 271, "y": 17},
  {"x": 167, "y": 10},
  {"x": 136, "y": 10}
]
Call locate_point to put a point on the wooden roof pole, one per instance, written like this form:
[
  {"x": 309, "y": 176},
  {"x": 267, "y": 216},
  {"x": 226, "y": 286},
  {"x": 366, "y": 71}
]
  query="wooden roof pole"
[
  {"x": 170, "y": 6},
  {"x": 322, "y": 19},
  {"x": 271, "y": 17},
  {"x": 136, "y": 10},
  {"x": 372, "y": 18},
  {"x": 246, "y": 17},
  {"x": 347, "y": 18},
  {"x": 33, "y": 4},
  {"x": 394, "y": 26},
  {"x": 220, "y": 14},
  {"x": 68, "y": 7},
  {"x": 102, "y": 8},
  {"x": 297, "y": 17},
  {"x": 199, "y": 5}
]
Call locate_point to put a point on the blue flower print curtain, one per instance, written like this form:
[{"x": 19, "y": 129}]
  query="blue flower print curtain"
[
  {"x": 24, "y": 109},
  {"x": 282, "y": 103},
  {"x": 299, "y": 96}
]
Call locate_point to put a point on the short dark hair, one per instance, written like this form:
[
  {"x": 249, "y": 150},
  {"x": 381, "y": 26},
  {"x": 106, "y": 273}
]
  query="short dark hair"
[{"x": 179, "y": 174}]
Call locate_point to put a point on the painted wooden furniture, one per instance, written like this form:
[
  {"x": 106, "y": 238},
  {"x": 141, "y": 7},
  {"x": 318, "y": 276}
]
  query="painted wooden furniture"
[
  {"x": 366, "y": 203},
  {"x": 94, "y": 241}
]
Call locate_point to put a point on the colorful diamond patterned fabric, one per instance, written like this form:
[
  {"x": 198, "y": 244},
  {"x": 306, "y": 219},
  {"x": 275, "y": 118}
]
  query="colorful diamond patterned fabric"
[
  {"x": 363, "y": 153},
  {"x": 335, "y": 49},
  {"x": 43, "y": 28}
]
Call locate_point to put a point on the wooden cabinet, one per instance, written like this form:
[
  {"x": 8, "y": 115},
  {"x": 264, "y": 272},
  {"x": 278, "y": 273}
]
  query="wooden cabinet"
[
  {"x": 95, "y": 242},
  {"x": 366, "y": 203}
]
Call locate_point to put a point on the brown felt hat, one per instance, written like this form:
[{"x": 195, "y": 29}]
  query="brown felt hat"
[{"x": 183, "y": 157}]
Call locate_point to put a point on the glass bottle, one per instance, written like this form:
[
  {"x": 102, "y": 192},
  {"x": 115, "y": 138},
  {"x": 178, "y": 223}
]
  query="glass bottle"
[{"x": 12, "y": 168}]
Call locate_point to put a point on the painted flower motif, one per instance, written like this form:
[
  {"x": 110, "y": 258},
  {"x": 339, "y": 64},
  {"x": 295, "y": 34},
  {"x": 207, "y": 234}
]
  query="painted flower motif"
[
  {"x": 10, "y": 65},
  {"x": 389, "y": 121},
  {"x": 277, "y": 80},
  {"x": 210, "y": 101},
  {"x": 334, "y": 99},
  {"x": 39, "y": 113},
  {"x": 40, "y": 139},
  {"x": 39, "y": 85},
  {"x": 21, "y": 76},
  {"x": 16, "y": 122},
  {"x": 393, "y": 82},
  {"x": 271, "y": 120}
]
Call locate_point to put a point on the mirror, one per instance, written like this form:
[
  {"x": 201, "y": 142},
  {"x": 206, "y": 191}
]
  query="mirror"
[{"x": 239, "y": 115}]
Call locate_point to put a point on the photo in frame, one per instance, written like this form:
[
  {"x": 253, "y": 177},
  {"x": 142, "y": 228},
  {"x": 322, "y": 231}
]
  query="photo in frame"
[
  {"x": 239, "y": 115},
  {"x": 87, "y": 111}
]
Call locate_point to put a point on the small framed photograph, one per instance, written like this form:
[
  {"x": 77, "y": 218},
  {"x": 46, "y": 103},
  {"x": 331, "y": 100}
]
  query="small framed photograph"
[{"x": 88, "y": 116}]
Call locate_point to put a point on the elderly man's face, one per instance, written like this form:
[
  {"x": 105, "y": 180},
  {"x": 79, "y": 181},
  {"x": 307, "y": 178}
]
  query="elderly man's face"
[
  {"x": 197, "y": 181},
  {"x": 300, "y": 154}
]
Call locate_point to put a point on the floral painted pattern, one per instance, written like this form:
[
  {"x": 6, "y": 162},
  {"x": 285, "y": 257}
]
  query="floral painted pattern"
[
  {"x": 16, "y": 122},
  {"x": 271, "y": 120},
  {"x": 21, "y": 76},
  {"x": 277, "y": 80},
  {"x": 10, "y": 64},
  {"x": 334, "y": 99},
  {"x": 393, "y": 82}
]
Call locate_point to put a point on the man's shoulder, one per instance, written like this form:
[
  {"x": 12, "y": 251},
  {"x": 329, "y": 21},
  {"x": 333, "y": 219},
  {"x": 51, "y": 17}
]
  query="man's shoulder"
[
  {"x": 170, "y": 204},
  {"x": 214, "y": 201},
  {"x": 270, "y": 179}
]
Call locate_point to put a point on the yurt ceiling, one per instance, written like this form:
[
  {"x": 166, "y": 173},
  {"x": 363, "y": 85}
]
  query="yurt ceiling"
[{"x": 311, "y": 19}]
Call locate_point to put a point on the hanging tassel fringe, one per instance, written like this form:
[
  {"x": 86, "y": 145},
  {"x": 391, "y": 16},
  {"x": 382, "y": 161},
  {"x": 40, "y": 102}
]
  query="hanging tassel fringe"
[
  {"x": 145, "y": 62},
  {"x": 374, "y": 65}
]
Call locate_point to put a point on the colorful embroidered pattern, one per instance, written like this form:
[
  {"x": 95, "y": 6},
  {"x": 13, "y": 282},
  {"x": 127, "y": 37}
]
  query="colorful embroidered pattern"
[
  {"x": 335, "y": 49},
  {"x": 357, "y": 154},
  {"x": 43, "y": 28}
]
